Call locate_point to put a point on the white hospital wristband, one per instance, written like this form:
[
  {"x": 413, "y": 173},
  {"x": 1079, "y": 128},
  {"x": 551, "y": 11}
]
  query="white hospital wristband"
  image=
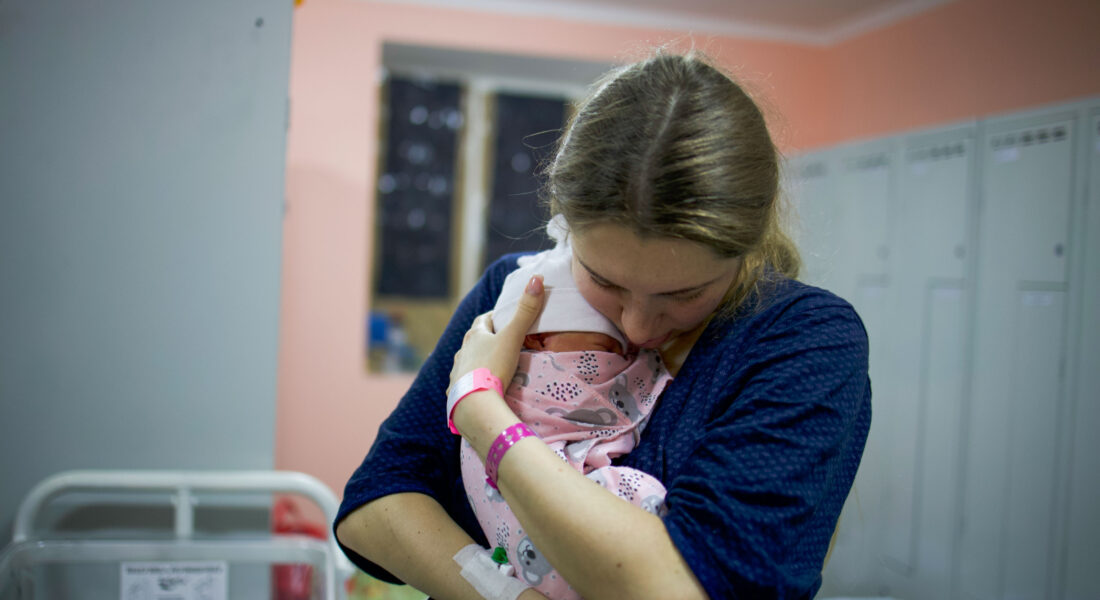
[{"x": 475, "y": 381}]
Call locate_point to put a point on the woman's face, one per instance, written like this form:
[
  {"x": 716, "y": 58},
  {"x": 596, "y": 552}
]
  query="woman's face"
[{"x": 653, "y": 289}]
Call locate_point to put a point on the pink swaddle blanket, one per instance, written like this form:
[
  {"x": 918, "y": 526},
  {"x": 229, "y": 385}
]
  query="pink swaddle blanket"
[{"x": 589, "y": 407}]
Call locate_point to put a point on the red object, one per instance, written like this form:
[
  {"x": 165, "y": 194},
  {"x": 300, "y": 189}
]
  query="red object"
[{"x": 293, "y": 581}]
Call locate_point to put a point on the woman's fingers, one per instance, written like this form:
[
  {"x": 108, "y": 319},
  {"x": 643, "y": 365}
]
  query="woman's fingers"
[
  {"x": 528, "y": 309},
  {"x": 485, "y": 321},
  {"x": 499, "y": 350}
]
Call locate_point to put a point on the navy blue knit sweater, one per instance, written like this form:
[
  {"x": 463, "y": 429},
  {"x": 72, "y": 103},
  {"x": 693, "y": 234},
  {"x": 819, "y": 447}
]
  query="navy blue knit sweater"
[{"x": 757, "y": 439}]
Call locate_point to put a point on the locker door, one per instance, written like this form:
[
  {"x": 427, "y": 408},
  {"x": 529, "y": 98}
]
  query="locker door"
[
  {"x": 864, "y": 185},
  {"x": 816, "y": 216},
  {"x": 863, "y": 199},
  {"x": 930, "y": 276},
  {"x": 942, "y": 399},
  {"x": 1011, "y": 452},
  {"x": 1083, "y": 520}
]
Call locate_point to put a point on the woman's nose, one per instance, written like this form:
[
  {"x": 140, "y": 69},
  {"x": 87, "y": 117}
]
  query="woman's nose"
[{"x": 640, "y": 323}]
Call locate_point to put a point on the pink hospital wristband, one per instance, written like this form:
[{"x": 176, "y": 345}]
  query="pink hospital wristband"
[
  {"x": 508, "y": 438},
  {"x": 475, "y": 381}
]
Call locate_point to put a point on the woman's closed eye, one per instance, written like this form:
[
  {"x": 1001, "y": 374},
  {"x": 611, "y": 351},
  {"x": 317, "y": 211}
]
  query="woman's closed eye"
[
  {"x": 688, "y": 296},
  {"x": 678, "y": 296},
  {"x": 601, "y": 282}
]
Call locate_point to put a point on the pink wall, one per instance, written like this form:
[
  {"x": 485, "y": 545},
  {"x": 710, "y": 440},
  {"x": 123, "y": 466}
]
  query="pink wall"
[{"x": 965, "y": 59}]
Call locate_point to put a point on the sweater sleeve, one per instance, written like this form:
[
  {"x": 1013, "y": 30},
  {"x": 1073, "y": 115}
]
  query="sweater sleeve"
[
  {"x": 756, "y": 501},
  {"x": 414, "y": 451}
]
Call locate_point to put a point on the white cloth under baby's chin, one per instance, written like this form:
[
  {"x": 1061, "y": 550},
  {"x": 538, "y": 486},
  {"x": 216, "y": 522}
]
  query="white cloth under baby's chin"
[{"x": 564, "y": 308}]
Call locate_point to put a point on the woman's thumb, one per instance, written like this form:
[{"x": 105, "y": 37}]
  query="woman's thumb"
[{"x": 529, "y": 307}]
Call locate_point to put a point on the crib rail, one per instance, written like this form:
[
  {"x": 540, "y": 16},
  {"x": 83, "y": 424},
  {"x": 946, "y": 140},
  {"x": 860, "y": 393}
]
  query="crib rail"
[{"x": 181, "y": 487}]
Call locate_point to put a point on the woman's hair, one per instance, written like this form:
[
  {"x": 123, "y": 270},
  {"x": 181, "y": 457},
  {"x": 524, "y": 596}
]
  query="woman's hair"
[{"x": 673, "y": 147}]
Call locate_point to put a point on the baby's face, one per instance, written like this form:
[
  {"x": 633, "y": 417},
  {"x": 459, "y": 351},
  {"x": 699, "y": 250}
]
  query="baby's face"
[{"x": 572, "y": 341}]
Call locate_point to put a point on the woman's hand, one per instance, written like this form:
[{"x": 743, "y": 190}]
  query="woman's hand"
[{"x": 499, "y": 350}]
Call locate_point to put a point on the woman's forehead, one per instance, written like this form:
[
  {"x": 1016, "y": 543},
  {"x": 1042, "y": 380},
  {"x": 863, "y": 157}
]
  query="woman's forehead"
[{"x": 652, "y": 264}]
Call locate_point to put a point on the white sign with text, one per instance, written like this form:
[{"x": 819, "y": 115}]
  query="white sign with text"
[{"x": 174, "y": 581}]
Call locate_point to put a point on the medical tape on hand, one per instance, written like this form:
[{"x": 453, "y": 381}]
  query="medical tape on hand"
[{"x": 492, "y": 581}]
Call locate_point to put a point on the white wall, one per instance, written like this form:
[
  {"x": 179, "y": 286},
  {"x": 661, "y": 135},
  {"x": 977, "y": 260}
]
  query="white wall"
[
  {"x": 141, "y": 192},
  {"x": 971, "y": 253}
]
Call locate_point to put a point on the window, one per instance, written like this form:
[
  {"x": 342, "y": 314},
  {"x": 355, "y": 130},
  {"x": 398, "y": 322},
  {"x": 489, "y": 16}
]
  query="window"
[
  {"x": 462, "y": 138},
  {"x": 415, "y": 188}
]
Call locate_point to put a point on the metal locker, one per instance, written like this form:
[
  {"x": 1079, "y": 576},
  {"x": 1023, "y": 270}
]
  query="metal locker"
[
  {"x": 1011, "y": 437},
  {"x": 865, "y": 192},
  {"x": 943, "y": 392},
  {"x": 818, "y": 228},
  {"x": 863, "y": 189},
  {"x": 864, "y": 200},
  {"x": 930, "y": 277},
  {"x": 816, "y": 215},
  {"x": 976, "y": 268},
  {"x": 1082, "y": 515}
]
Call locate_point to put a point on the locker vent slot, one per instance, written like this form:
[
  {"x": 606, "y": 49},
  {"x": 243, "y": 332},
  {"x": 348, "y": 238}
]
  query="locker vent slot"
[
  {"x": 812, "y": 170},
  {"x": 1030, "y": 137},
  {"x": 866, "y": 163},
  {"x": 937, "y": 153}
]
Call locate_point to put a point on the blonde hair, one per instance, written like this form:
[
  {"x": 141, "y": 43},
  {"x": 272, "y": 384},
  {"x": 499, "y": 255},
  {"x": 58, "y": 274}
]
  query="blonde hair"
[{"x": 672, "y": 147}]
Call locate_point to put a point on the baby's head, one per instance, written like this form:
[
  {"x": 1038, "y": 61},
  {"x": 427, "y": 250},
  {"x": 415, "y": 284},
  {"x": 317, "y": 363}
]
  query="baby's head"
[
  {"x": 565, "y": 311},
  {"x": 572, "y": 341}
]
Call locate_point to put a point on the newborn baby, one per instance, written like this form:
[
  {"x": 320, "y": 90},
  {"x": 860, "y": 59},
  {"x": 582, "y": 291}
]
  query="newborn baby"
[{"x": 581, "y": 393}]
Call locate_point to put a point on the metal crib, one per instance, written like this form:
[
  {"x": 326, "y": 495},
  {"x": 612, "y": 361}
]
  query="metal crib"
[{"x": 34, "y": 550}]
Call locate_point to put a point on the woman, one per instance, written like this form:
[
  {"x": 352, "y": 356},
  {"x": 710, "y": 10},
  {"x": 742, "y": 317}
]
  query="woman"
[
  {"x": 668, "y": 181},
  {"x": 580, "y": 392}
]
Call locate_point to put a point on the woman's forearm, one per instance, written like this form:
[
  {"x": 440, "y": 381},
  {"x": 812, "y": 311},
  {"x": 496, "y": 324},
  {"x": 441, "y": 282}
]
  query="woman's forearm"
[
  {"x": 411, "y": 536},
  {"x": 602, "y": 545}
]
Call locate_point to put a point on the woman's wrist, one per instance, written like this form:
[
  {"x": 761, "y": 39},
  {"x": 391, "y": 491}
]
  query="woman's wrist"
[
  {"x": 477, "y": 380},
  {"x": 500, "y": 446},
  {"x": 481, "y": 417}
]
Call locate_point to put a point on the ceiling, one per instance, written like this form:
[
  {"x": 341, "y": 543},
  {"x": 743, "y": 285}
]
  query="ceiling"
[{"x": 816, "y": 22}]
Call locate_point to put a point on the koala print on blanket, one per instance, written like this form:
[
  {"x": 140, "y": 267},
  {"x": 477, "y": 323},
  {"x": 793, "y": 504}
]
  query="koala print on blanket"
[{"x": 532, "y": 564}]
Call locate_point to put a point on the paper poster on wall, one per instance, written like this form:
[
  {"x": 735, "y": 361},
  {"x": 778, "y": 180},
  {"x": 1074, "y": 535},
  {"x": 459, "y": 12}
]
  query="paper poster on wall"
[{"x": 174, "y": 581}]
